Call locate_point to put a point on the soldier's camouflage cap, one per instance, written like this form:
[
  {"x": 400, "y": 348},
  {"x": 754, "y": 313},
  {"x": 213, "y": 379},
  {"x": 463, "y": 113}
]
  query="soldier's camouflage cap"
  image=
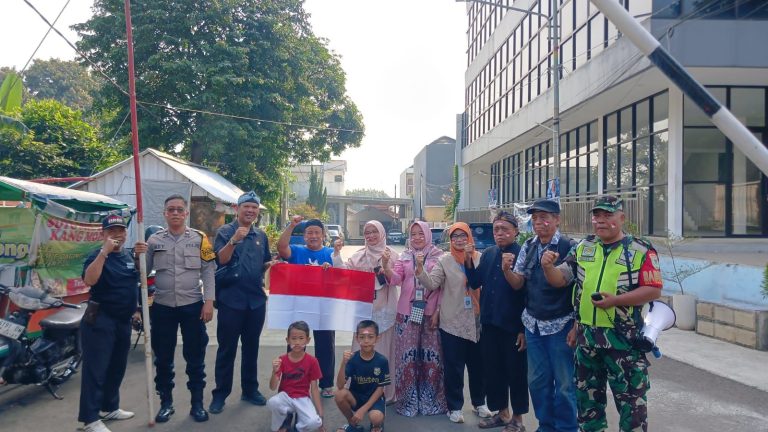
[{"x": 608, "y": 203}]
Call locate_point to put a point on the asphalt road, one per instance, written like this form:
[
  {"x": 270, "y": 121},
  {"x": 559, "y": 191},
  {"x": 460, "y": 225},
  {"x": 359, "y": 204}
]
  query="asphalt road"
[{"x": 682, "y": 399}]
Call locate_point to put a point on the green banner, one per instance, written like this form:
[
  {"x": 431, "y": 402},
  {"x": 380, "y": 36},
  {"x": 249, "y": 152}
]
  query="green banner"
[
  {"x": 16, "y": 228},
  {"x": 63, "y": 246}
]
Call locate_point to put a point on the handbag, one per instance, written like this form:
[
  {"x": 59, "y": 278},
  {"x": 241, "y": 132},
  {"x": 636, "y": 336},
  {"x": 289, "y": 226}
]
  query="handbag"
[{"x": 227, "y": 275}]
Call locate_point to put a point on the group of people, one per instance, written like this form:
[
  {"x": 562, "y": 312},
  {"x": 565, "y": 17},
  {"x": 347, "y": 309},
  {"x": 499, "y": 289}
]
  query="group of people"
[{"x": 553, "y": 318}]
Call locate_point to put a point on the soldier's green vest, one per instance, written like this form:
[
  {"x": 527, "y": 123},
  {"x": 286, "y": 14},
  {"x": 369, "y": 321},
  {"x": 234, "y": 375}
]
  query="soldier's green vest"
[{"x": 597, "y": 271}]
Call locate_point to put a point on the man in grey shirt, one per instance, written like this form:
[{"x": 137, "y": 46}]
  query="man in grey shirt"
[{"x": 181, "y": 257}]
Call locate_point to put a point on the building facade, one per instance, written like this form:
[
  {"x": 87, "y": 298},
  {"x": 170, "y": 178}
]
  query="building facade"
[
  {"x": 625, "y": 129},
  {"x": 406, "y": 183},
  {"x": 432, "y": 178}
]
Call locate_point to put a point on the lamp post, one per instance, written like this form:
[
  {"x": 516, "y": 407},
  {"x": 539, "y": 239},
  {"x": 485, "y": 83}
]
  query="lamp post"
[{"x": 554, "y": 36}]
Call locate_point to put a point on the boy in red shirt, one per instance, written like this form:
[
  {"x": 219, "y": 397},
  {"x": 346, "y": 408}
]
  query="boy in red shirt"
[{"x": 295, "y": 375}]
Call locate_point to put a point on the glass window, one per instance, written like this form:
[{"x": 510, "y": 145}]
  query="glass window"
[
  {"x": 611, "y": 168},
  {"x": 660, "y": 157},
  {"x": 660, "y": 203},
  {"x": 610, "y": 129},
  {"x": 625, "y": 124},
  {"x": 582, "y": 46},
  {"x": 642, "y": 111},
  {"x": 534, "y": 49},
  {"x": 694, "y": 116},
  {"x": 593, "y": 136},
  {"x": 746, "y": 197},
  {"x": 583, "y": 174},
  {"x": 661, "y": 112},
  {"x": 572, "y": 176},
  {"x": 704, "y": 155},
  {"x": 612, "y": 33},
  {"x": 566, "y": 19},
  {"x": 748, "y": 105},
  {"x": 581, "y": 7},
  {"x": 596, "y": 34},
  {"x": 704, "y": 209},
  {"x": 627, "y": 166},
  {"x": 566, "y": 56},
  {"x": 643, "y": 161},
  {"x": 593, "y": 172}
]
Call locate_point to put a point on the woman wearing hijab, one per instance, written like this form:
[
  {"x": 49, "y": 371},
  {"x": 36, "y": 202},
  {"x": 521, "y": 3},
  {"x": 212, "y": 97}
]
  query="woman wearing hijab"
[
  {"x": 368, "y": 259},
  {"x": 418, "y": 360},
  {"x": 459, "y": 324}
]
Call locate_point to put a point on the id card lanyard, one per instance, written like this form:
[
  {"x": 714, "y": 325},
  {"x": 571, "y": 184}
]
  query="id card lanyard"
[
  {"x": 467, "y": 297},
  {"x": 418, "y": 294}
]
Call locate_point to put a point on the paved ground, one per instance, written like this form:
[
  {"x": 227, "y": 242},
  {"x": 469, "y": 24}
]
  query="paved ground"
[{"x": 724, "y": 390}]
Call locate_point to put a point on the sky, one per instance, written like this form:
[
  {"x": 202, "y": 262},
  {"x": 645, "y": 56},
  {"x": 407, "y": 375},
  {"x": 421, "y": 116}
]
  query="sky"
[{"x": 404, "y": 61}]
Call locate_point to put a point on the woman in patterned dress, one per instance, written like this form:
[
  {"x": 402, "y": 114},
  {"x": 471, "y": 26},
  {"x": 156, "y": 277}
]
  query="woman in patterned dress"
[{"x": 418, "y": 364}]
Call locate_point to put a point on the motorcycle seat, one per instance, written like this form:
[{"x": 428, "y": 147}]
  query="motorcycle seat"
[{"x": 63, "y": 319}]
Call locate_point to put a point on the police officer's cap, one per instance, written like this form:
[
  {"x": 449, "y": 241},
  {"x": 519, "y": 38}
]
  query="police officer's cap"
[{"x": 544, "y": 205}]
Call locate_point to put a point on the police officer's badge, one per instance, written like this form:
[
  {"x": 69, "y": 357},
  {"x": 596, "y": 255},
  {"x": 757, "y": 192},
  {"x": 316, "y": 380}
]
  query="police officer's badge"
[
  {"x": 654, "y": 261},
  {"x": 588, "y": 251},
  {"x": 377, "y": 371},
  {"x": 206, "y": 250}
]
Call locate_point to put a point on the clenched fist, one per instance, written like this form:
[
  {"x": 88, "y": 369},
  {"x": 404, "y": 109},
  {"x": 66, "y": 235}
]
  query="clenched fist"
[
  {"x": 346, "y": 356},
  {"x": 385, "y": 258},
  {"x": 549, "y": 258},
  {"x": 337, "y": 245},
  {"x": 240, "y": 234},
  {"x": 276, "y": 364},
  {"x": 469, "y": 252},
  {"x": 507, "y": 261},
  {"x": 296, "y": 219}
]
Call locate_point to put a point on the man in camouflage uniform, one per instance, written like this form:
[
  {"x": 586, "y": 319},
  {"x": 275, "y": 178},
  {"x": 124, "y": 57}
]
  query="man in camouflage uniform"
[{"x": 616, "y": 275}]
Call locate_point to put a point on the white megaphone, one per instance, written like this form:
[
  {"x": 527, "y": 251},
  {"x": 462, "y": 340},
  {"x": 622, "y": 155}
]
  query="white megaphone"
[{"x": 660, "y": 317}]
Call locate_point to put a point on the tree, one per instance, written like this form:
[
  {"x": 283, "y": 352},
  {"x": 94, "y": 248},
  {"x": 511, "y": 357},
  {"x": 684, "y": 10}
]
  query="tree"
[
  {"x": 247, "y": 58},
  {"x": 318, "y": 195},
  {"x": 306, "y": 210},
  {"x": 59, "y": 143},
  {"x": 452, "y": 201},
  {"x": 65, "y": 81},
  {"x": 365, "y": 192}
]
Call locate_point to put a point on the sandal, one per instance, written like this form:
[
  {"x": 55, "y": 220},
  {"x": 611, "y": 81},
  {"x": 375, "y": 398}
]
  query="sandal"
[
  {"x": 514, "y": 426},
  {"x": 350, "y": 428},
  {"x": 377, "y": 428},
  {"x": 326, "y": 393},
  {"x": 493, "y": 422}
]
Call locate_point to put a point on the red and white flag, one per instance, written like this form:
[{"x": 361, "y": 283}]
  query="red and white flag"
[{"x": 332, "y": 299}]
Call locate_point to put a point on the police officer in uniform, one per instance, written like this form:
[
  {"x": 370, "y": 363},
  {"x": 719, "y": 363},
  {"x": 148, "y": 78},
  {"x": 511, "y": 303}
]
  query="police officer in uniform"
[
  {"x": 111, "y": 273},
  {"x": 181, "y": 257},
  {"x": 615, "y": 275},
  {"x": 242, "y": 304}
]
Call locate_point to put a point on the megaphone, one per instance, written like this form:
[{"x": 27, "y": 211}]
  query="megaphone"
[{"x": 660, "y": 317}]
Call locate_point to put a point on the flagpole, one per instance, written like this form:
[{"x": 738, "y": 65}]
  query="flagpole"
[{"x": 139, "y": 216}]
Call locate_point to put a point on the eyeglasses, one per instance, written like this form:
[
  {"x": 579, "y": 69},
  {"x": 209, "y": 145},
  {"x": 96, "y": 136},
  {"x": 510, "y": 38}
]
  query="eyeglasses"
[
  {"x": 175, "y": 209},
  {"x": 459, "y": 237}
]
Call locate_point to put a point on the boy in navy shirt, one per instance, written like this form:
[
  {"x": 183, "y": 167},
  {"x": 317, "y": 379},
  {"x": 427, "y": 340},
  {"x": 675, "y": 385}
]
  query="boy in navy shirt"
[{"x": 368, "y": 373}]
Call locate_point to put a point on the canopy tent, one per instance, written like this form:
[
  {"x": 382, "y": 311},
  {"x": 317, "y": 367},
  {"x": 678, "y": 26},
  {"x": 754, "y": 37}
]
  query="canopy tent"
[{"x": 21, "y": 190}]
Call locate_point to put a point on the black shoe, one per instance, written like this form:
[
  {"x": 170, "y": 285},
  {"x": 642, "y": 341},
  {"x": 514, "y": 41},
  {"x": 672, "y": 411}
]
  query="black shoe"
[
  {"x": 216, "y": 406},
  {"x": 198, "y": 413},
  {"x": 255, "y": 398},
  {"x": 165, "y": 413}
]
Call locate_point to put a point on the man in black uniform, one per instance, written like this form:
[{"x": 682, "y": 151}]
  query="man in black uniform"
[
  {"x": 111, "y": 273},
  {"x": 242, "y": 303}
]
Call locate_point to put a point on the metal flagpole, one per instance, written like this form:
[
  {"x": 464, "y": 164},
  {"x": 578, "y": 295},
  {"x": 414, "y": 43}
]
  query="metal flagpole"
[
  {"x": 718, "y": 114},
  {"x": 139, "y": 216}
]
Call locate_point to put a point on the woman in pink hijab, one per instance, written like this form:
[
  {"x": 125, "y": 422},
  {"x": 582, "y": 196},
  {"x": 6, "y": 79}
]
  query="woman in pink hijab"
[
  {"x": 418, "y": 363},
  {"x": 385, "y": 302}
]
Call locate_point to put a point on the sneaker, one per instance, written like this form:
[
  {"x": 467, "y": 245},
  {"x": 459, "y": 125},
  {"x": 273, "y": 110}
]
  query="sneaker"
[
  {"x": 456, "y": 416},
  {"x": 482, "y": 411},
  {"x": 117, "y": 414},
  {"x": 327, "y": 392},
  {"x": 97, "y": 426},
  {"x": 255, "y": 398}
]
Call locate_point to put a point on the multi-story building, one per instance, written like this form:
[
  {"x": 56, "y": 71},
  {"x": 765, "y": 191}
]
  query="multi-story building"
[
  {"x": 406, "y": 183},
  {"x": 432, "y": 177},
  {"x": 625, "y": 129},
  {"x": 332, "y": 173}
]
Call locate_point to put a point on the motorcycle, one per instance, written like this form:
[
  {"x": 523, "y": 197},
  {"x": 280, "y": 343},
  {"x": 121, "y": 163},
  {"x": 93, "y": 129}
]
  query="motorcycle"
[{"x": 48, "y": 360}]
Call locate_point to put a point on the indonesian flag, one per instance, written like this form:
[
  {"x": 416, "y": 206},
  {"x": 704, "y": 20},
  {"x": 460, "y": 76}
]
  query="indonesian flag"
[{"x": 331, "y": 299}]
